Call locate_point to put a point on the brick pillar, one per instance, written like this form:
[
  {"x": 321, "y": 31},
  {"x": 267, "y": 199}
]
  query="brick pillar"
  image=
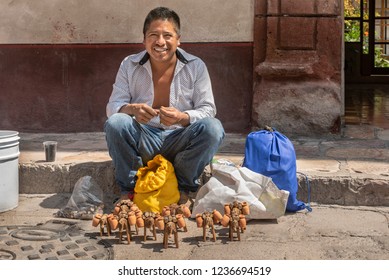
[{"x": 297, "y": 60}]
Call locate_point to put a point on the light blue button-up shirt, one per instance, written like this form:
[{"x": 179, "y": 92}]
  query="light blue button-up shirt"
[{"x": 190, "y": 90}]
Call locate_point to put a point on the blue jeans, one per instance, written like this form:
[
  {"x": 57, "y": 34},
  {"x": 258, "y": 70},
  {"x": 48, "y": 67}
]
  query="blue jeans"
[{"x": 131, "y": 145}]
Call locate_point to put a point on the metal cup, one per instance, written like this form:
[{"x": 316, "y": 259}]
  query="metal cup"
[{"x": 50, "y": 148}]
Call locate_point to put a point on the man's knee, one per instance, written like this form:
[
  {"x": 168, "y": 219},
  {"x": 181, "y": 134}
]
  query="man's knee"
[
  {"x": 117, "y": 122},
  {"x": 212, "y": 128}
]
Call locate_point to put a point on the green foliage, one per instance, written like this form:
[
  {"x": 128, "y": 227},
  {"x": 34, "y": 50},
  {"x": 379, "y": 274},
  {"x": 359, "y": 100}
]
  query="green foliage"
[
  {"x": 379, "y": 58},
  {"x": 352, "y": 8},
  {"x": 352, "y": 32}
]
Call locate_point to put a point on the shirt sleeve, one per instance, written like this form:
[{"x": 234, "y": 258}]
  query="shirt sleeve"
[
  {"x": 203, "y": 100},
  {"x": 120, "y": 95}
]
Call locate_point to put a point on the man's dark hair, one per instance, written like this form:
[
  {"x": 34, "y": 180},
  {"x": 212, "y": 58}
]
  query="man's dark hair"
[{"x": 162, "y": 13}]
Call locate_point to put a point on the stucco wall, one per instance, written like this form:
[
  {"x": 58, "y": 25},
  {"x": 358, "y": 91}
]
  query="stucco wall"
[
  {"x": 120, "y": 21},
  {"x": 58, "y": 59}
]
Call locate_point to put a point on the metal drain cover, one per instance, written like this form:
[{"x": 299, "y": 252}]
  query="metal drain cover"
[{"x": 55, "y": 240}]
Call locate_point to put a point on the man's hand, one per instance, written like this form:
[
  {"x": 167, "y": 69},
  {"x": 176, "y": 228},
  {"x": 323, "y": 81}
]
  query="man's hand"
[
  {"x": 142, "y": 112},
  {"x": 170, "y": 116}
]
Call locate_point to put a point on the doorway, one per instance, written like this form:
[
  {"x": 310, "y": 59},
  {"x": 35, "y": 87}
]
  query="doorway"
[{"x": 366, "y": 36}]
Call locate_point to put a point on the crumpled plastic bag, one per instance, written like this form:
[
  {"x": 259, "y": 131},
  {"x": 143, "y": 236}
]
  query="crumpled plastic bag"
[
  {"x": 85, "y": 202},
  {"x": 230, "y": 183}
]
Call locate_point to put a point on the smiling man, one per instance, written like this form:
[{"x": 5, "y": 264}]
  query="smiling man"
[{"x": 162, "y": 103}]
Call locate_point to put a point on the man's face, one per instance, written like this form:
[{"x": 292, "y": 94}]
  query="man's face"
[{"x": 161, "y": 41}]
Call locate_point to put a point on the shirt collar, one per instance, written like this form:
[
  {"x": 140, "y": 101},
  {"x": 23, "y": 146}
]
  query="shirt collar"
[{"x": 182, "y": 56}]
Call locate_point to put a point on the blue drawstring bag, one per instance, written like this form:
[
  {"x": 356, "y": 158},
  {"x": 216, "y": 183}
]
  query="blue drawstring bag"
[{"x": 271, "y": 153}]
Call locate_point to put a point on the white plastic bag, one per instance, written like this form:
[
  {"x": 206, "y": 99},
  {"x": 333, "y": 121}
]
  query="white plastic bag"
[{"x": 230, "y": 183}]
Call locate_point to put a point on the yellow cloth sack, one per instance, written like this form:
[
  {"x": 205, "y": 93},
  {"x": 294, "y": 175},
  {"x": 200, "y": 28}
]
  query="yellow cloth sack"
[{"x": 156, "y": 185}]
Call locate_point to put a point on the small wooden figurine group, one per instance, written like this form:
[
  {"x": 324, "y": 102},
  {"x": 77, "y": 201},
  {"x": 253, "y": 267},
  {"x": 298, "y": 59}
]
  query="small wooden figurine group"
[
  {"x": 234, "y": 218},
  {"x": 127, "y": 214}
]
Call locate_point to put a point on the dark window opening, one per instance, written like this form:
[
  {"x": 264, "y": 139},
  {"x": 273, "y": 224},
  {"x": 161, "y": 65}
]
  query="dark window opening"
[{"x": 366, "y": 23}]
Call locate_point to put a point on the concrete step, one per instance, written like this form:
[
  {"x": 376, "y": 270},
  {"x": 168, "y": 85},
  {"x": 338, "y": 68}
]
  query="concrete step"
[{"x": 340, "y": 170}]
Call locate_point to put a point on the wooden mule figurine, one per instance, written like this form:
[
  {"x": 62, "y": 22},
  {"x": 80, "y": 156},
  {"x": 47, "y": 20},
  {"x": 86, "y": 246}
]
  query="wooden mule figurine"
[
  {"x": 124, "y": 226},
  {"x": 208, "y": 223},
  {"x": 234, "y": 227},
  {"x": 102, "y": 221},
  {"x": 235, "y": 224},
  {"x": 170, "y": 229},
  {"x": 149, "y": 223}
]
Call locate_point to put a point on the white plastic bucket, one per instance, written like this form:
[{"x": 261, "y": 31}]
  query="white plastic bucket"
[{"x": 9, "y": 170}]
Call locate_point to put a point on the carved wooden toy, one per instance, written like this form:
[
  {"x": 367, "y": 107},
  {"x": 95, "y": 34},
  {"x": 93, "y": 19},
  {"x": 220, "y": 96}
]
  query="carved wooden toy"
[
  {"x": 234, "y": 227},
  {"x": 159, "y": 222},
  {"x": 179, "y": 212},
  {"x": 149, "y": 223},
  {"x": 125, "y": 205},
  {"x": 181, "y": 222},
  {"x": 170, "y": 229},
  {"x": 102, "y": 221},
  {"x": 207, "y": 220},
  {"x": 113, "y": 221},
  {"x": 124, "y": 215},
  {"x": 235, "y": 219},
  {"x": 124, "y": 226},
  {"x": 179, "y": 209},
  {"x": 208, "y": 224}
]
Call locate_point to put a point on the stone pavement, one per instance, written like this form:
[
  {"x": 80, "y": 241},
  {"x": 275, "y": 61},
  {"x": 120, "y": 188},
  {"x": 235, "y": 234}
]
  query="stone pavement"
[
  {"x": 329, "y": 232},
  {"x": 349, "y": 189}
]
